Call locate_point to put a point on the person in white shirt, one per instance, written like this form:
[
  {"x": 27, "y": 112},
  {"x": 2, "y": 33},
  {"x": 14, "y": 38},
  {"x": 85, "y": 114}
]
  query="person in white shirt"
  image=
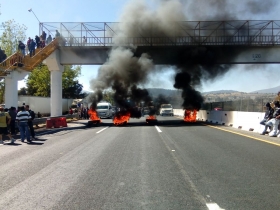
[{"x": 23, "y": 117}]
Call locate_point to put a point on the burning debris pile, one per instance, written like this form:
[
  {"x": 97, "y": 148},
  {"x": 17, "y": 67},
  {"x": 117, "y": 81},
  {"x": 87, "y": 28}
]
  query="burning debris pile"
[
  {"x": 121, "y": 118},
  {"x": 190, "y": 116},
  {"x": 94, "y": 98}
]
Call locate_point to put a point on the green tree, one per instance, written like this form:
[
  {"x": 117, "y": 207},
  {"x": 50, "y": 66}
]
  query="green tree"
[
  {"x": 38, "y": 82},
  {"x": 13, "y": 32},
  {"x": 22, "y": 91}
]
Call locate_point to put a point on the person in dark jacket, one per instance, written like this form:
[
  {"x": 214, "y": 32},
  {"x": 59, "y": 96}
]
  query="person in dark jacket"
[
  {"x": 44, "y": 36},
  {"x": 13, "y": 113},
  {"x": 21, "y": 47},
  {"x": 30, "y": 122},
  {"x": 32, "y": 48},
  {"x": 268, "y": 113},
  {"x": 28, "y": 44},
  {"x": 37, "y": 40}
]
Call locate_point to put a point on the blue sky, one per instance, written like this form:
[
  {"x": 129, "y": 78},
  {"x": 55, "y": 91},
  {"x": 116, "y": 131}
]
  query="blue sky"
[{"x": 238, "y": 78}]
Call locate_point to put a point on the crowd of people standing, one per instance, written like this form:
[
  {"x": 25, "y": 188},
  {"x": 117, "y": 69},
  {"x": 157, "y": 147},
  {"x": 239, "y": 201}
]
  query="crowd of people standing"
[
  {"x": 32, "y": 44},
  {"x": 22, "y": 119}
]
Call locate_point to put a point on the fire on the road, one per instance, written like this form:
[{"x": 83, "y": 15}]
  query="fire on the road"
[
  {"x": 121, "y": 118},
  {"x": 93, "y": 116},
  {"x": 190, "y": 115}
]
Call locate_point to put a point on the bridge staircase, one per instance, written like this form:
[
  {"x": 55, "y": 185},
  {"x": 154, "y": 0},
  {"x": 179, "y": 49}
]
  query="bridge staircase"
[{"x": 27, "y": 63}]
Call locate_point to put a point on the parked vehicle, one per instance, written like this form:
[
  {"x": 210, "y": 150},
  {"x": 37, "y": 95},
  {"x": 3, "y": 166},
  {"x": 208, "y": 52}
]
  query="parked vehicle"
[
  {"x": 166, "y": 109},
  {"x": 104, "y": 110}
]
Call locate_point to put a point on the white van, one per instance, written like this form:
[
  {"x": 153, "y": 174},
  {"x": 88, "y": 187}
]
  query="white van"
[
  {"x": 104, "y": 109},
  {"x": 166, "y": 109}
]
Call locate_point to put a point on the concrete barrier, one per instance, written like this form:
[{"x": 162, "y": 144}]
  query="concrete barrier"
[
  {"x": 249, "y": 121},
  {"x": 43, "y": 120}
]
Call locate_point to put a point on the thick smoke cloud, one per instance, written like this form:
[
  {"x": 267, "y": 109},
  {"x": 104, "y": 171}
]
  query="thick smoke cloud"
[{"x": 123, "y": 71}]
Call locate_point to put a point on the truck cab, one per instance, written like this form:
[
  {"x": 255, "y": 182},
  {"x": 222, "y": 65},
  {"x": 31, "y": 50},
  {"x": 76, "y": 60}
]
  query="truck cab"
[{"x": 166, "y": 109}]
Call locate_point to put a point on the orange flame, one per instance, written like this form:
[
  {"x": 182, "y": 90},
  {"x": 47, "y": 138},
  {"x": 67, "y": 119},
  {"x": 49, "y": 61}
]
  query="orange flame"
[
  {"x": 93, "y": 115},
  {"x": 151, "y": 117},
  {"x": 190, "y": 115},
  {"x": 121, "y": 118}
]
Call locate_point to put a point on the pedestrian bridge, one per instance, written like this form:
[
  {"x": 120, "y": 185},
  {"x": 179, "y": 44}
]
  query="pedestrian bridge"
[{"x": 195, "y": 42}]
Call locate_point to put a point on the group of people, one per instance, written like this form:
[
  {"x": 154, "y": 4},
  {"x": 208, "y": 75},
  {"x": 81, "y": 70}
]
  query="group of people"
[
  {"x": 272, "y": 118},
  {"x": 23, "y": 118},
  {"x": 39, "y": 42},
  {"x": 82, "y": 113}
]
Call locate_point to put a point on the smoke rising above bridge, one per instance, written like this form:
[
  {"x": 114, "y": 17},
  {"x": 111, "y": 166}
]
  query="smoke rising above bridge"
[
  {"x": 194, "y": 46},
  {"x": 139, "y": 21}
]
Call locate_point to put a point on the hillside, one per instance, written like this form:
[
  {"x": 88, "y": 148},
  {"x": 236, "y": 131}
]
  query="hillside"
[
  {"x": 270, "y": 90},
  {"x": 154, "y": 92}
]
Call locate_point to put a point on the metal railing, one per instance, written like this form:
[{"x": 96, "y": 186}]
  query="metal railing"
[{"x": 231, "y": 32}]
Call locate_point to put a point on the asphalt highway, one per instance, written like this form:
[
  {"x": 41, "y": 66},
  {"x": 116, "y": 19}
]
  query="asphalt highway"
[{"x": 170, "y": 165}]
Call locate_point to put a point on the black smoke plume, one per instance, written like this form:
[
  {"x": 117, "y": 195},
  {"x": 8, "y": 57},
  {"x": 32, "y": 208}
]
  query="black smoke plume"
[
  {"x": 125, "y": 70},
  {"x": 94, "y": 98}
]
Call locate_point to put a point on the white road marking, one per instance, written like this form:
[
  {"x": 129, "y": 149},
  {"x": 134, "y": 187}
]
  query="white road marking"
[
  {"x": 158, "y": 129},
  {"x": 173, "y": 150},
  {"x": 102, "y": 129},
  {"x": 213, "y": 206}
]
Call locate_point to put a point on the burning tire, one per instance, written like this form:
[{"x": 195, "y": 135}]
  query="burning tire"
[
  {"x": 151, "y": 120},
  {"x": 92, "y": 123}
]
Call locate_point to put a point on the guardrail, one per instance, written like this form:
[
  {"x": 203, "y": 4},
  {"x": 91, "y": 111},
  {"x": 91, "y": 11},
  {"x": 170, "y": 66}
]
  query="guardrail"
[{"x": 249, "y": 121}]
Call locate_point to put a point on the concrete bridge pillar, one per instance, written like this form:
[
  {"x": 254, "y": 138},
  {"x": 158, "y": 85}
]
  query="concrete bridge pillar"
[
  {"x": 56, "y": 69},
  {"x": 11, "y": 87}
]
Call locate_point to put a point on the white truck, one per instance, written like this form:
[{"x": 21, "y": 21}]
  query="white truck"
[
  {"x": 104, "y": 110},
  {"x": 166, "y": 109}
]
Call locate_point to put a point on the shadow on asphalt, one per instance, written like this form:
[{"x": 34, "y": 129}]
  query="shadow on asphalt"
[{"x": 21, "y": 143}]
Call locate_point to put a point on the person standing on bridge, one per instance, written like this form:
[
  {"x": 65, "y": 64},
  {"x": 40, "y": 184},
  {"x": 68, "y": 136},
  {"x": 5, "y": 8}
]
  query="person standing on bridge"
[
  {"x": 84, "y": 40},
  {"x": 37, "y": 40},
  {"x": 21, "y": 47},
  {"x": 28, "y": 44},
  {"x": 71, "y": 40},
  {"x": 32, "y": 48},
  {"x": 44, "y": 36},
  {"x": 49, "y": 39},
  {"x": 57, "y": 34}
]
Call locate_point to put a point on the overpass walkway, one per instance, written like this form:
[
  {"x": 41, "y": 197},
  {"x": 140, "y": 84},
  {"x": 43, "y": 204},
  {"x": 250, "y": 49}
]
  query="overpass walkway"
[
  {"x": 245, "y": 34},
  {"x": 27, "y": 63}
]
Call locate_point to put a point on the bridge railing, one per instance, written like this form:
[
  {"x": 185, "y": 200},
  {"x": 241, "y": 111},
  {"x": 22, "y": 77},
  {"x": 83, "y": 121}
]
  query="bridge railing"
[
  {"x": 10, "y": 63},
  {"x": 177, "y": 41},
  {"x": 235, "y": 32}
]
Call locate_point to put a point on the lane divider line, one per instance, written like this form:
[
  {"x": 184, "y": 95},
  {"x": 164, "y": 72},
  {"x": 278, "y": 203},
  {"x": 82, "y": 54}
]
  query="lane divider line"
[
  {"x": 158, "y": 129},
  {"x": 213, "y": 206},
  {"x": 102, "y": 129},
  {"x": 240, "y": 134}
]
